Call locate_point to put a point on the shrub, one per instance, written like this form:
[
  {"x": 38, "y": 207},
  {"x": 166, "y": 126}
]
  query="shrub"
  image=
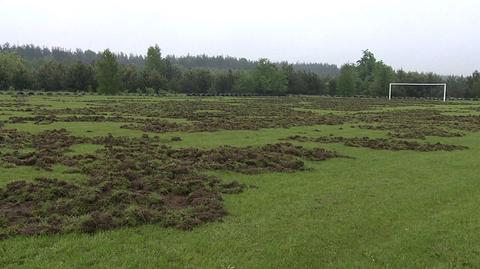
[{"x": 150, "y": 91}]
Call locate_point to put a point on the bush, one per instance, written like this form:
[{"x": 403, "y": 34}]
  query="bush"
[
  {"x": 150, "y": 91},
  {"x": 11, "y": 90},
  {"x": 162, "y": 92}
]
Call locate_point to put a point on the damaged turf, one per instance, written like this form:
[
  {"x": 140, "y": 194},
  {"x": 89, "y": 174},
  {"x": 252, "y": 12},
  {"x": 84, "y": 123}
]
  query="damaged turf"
[
  {"x": 379, "y": 143},
  {"x": 131, "y": 181}
]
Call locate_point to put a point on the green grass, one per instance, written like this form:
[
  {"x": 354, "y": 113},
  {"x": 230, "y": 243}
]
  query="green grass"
[
  {"x": 29, "y": 173},
  {"x": 379, "y": 209}
]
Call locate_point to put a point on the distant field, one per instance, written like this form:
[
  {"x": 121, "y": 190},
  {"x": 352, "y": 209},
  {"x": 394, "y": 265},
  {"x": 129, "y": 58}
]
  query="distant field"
[{"x": 224, "y": 182}]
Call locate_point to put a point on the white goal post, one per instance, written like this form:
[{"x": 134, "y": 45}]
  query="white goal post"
[{"x": 418, "y": 84}]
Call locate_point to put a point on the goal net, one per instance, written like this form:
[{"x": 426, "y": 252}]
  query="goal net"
[{"x": 422, "y": 85}]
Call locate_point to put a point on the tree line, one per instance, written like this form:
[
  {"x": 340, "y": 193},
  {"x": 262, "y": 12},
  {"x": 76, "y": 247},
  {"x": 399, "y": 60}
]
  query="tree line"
[
  {"x": 371, "y": 77},
  {"x": 111, "y": 73},
  {"x": 35, "y": 54},
  {"x": 33, "y": 68}
]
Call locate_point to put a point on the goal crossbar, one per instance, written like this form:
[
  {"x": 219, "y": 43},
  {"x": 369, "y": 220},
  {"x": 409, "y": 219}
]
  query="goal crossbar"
[{"x": 418, "y": 84}]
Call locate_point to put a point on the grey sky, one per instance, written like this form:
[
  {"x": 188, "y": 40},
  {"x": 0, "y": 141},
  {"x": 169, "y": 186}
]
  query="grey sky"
[{"x": 425, "y": 35}]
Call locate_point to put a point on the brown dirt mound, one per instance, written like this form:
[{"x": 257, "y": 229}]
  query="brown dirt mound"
[
  {"x": 48, "y": 206},
  {"x": 257, "y": 113},
  {"x": 49, "y": 147},
  {"x": 250, "y": 114},
  {"x": 380, "y": 143},
  {"x": 410, "y": 131},
  {"x": 11, "y": 138},
  {"x": 282, "y": 157},
  {"x": 419, "y": 123},
  {"x": 41, "y": 119}
]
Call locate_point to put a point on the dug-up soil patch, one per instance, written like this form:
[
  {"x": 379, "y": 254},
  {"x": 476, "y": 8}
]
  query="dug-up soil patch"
[
  {"x": 130, "y": 182},
  {"x": 419, "y": 123},
  {"x": 380, "y": 143}
]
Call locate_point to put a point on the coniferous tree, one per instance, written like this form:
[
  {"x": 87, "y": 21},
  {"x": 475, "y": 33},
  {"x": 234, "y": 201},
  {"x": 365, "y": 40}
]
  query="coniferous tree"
[
  {"x": 108, "y": 73},
  {"x": 457, "y": 86},
  {"x": 474, "y": 85},
  {"x": 155, "y": 69},
  {"x": 154, "y": 61}
]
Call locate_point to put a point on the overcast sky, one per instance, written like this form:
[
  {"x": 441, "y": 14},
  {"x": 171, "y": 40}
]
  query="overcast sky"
[{"x": 442, "y": 36}]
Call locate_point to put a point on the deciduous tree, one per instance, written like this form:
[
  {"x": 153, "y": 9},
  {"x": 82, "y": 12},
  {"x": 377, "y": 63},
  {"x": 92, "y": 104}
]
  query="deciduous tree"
[{"x": 347, "y": 80}]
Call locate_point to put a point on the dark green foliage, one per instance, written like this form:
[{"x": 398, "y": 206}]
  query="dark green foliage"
[
  {"x": 32, "y": 53},
  {"x": 131, "y": 78},
  {"x": 197, "y": 81},
  {"x": 155, "y": 69},
  {"x": 303, "y": 82},
  {"x": 269, "y": 79},
  {"x": 13, "y": 72},
  {"x": 30, "y": 67},
  {"x": 51, "y": 76},
  {"x": 365, "y": 70},
  {"x": 80, "y": 77},
  {"x": 224, "y": 82},
  {"x": 266, "y": 79},
  {"x": 382, "y": 76},
  {"x": 323, "y": 70},
  {"x": 154, "y": 79},
  {"x": 332, "y": 87},
  {"x": 245, "y": 83},
  {"x": 108, "y": 74},
  {"x": 418, "y": 91},
  {"x": 225, "y": 63},
  {"x": 457, "y": 86},
  {"x": 313, "y": 85},
  {"x": 154, "y": 60},
  {"x": 346, "y": 82},
  {"x": 473, "y": 83}
]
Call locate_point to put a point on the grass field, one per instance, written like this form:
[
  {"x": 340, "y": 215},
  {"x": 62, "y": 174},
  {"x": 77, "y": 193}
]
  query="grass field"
[{"x": 414, "y": 205}]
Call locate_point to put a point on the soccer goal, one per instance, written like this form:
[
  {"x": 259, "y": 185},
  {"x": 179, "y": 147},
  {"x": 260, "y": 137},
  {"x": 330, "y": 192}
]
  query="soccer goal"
[{"x": 444, "y": 85}]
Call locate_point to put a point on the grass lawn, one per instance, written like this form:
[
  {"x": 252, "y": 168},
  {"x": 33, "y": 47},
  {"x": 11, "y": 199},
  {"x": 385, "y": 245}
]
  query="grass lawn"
[{"x": 376, "y": 209}]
